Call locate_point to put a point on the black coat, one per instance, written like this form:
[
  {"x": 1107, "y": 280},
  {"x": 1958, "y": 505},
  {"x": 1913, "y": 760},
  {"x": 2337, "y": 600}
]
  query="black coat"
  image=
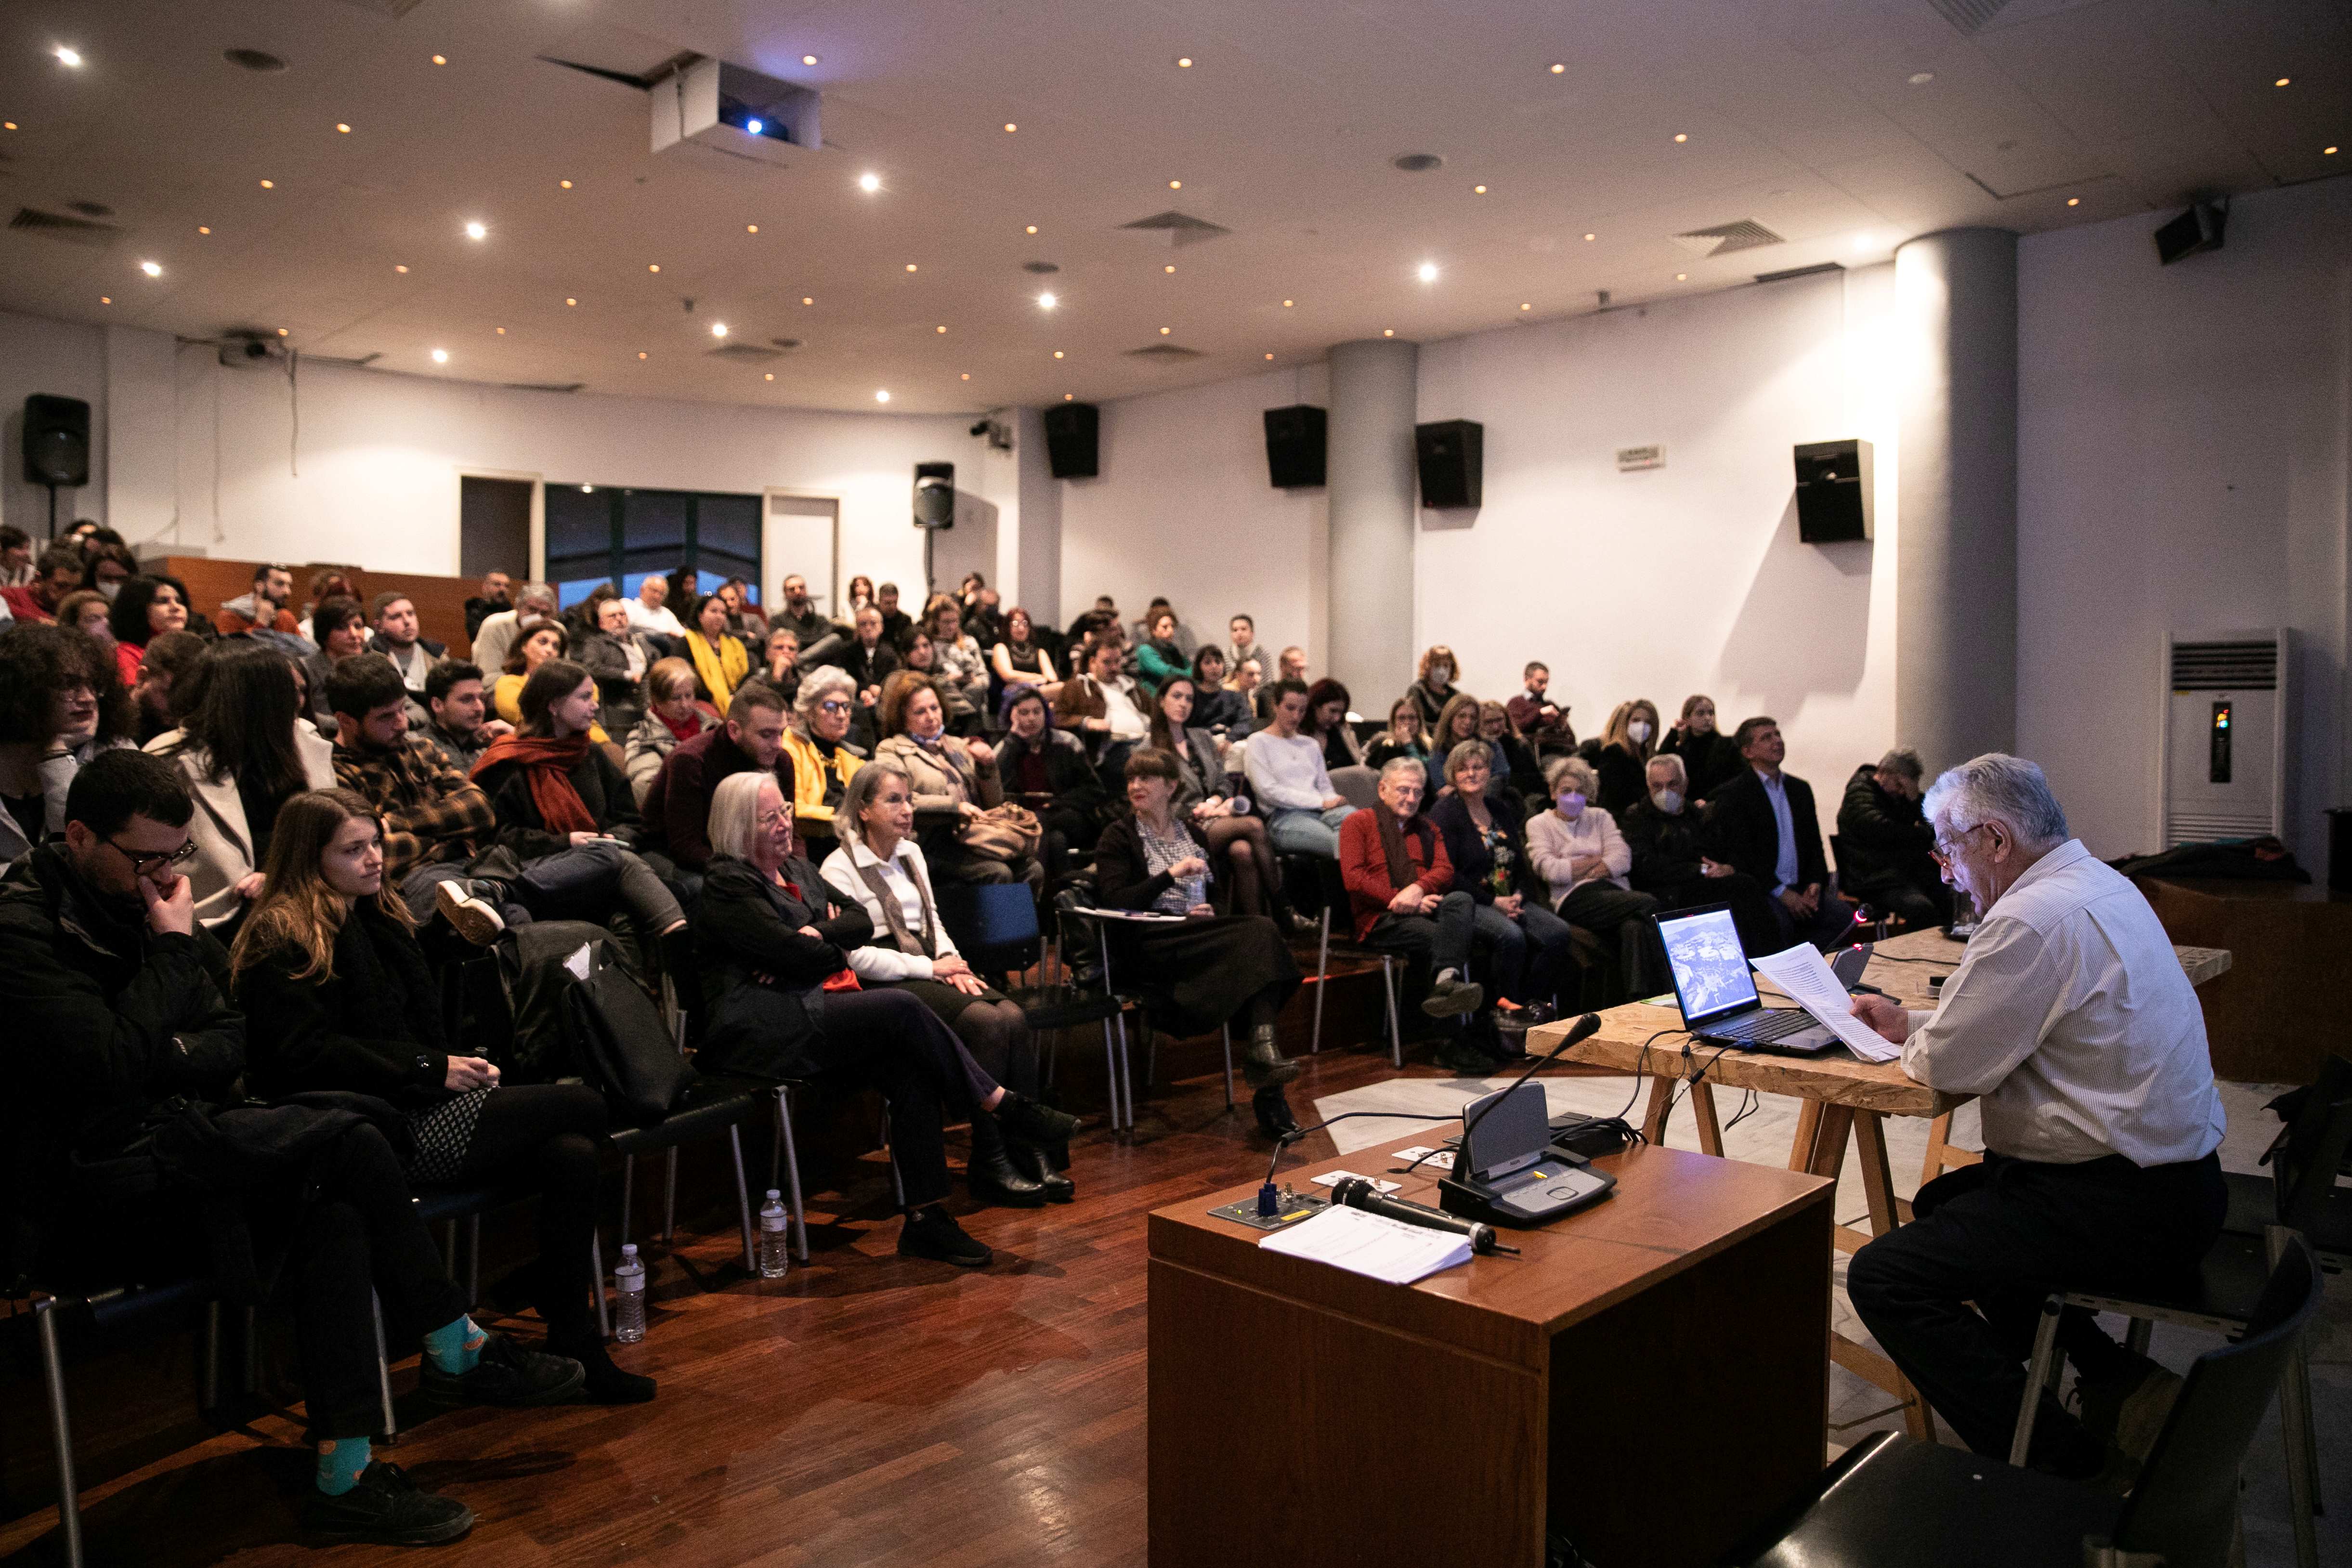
[
  {"x": 1123, "y": 878},
  {"x": 604, "y": 790},
  {"x": 1747, "y": 837},
  {"x": 1466, "y": 846},
  {"x": 1070, "y": 778},
  {"x": 1710, "y": 760},
  {"x": 1666, "y": 849},
  {"x": 1883, "y": 838},
  {"x": 869, "y": 668},
  {"x": 373, "y": 1026},
  {"x": 1623, "y": 775},
  {"x": 746, "y": 927}
]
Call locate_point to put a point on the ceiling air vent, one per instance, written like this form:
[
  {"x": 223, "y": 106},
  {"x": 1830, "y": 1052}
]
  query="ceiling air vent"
[
  {"x": 1815, "y": 271},
  {"x": 545, "y": 385},
  {"x": 1971, "y": 17},
  {"x": 1164, "y": 354},
  {"x": 747, "y": 353},
  {"x": 395, "y": 9},
  {"x": 1723, "y": 238},
  {"x": 1178, "y": 229},
  {"x": 58, "y": 225}
]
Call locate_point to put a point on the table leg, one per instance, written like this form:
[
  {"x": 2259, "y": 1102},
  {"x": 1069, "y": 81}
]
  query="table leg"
[
  {"x": 1808, "y": 1122},
  {"x": 1661, "y": 1099},
  {"x": 1877, "y": 1181},
  {"x": 1710, "y": 1130}
]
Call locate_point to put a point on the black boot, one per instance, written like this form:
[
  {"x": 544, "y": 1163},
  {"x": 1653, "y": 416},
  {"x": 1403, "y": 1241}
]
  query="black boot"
[
  {"x": 1029, "y": 1122},
  {"x": 607, "y": 1383},
  {"x": 994, "y": 1178},
  {"x": 1037, "y": 1164},
  {"x": 1273, "y": 1117},
  {"x": 1262, "y": 1062}
]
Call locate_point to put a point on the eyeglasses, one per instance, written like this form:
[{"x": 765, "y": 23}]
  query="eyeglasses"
[
  {"x": 146, "y": 863},
  {"x": 1945, "y": 848},
  {"x": 833, "y": 705}
]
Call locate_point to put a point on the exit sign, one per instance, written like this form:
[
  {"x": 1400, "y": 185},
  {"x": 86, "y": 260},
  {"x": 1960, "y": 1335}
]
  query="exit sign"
[{"x": 1631, "y": 459}]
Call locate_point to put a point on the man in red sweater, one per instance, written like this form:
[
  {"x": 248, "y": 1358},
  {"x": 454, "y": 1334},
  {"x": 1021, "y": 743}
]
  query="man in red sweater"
[
  {"x": 1402, "y": 887},
  {"x": 676, "y": 809}
]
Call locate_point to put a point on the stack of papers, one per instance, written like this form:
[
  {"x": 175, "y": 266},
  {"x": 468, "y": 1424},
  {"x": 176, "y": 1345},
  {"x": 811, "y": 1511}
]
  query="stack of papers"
[
  {"x": 1805, "y": 975},
  {"x": 1371, "y": 1245}
]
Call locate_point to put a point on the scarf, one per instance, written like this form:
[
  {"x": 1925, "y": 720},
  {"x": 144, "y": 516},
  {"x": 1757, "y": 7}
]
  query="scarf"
[
  {"x": 895, "y": 917},
  {"x": 840, "y": 979},
  {"x": 686, "y": 728},
  {"x": 1400, "y": 872},
  {"x": 546, "y": 766},
  {"x": 720, "y": 669}
]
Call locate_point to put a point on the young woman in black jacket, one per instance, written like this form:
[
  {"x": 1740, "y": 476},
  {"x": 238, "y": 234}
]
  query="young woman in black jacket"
[
  {"x": 1205, "y": 969},
  {"x": 780, "y": 1002},
  {"x": 1046, "y": 770},
  {"x": 337, "y": 996}
]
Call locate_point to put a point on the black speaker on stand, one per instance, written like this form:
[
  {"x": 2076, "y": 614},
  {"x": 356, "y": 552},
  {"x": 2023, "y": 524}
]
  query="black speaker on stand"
[
  {"x": 934, "y": 509},
  {"x": 1072, "y": 432},
  {"x": 56, "y": 446},
  {"x": 1453, "y": 455},
  {"x": 1295, "y": 440}
]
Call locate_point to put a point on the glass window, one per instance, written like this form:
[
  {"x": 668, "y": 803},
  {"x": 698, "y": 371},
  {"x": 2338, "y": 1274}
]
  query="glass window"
[{"x": 599, "y": 534}]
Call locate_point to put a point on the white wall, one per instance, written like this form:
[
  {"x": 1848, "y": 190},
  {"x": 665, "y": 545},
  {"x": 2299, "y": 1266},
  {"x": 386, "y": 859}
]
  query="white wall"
[
  {"x": 1182, "y": 508},
  {"x": 2182, "y": 464},
  {"x": 62, "y": 360}
]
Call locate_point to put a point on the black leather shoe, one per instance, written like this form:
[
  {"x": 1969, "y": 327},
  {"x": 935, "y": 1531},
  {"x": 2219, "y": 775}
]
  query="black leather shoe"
[
  {"x": 387, "y": 1507},
  {"x": 1029, "y": 1122},
  {"x": 607, "y": 1383},
  {"x": 997, "y": 1179},
  {"x": 931, "y": 1231},
  {"x": 1273, "y": 1117},
  {"x": 507, "y": 1375},
  {"x": 1038, "y": 1166}
]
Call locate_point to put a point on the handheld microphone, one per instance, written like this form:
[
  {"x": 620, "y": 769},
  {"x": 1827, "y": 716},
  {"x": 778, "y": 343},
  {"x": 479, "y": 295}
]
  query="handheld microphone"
[{"x": 1357, "y": 1193}]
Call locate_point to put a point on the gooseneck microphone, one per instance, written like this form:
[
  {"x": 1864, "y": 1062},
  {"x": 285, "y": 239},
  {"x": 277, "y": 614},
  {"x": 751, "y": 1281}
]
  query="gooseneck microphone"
[{"x": 1357, "y": 1193}]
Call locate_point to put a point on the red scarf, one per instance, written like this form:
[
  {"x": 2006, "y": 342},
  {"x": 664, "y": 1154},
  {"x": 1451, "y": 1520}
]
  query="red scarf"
[
  {"x": 546, "y": 766},
  {"x": 686, "y": 728}
]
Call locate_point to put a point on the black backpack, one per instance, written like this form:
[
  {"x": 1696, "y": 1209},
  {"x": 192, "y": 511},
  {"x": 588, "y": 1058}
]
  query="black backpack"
[{"x": 581, "y": 1011}]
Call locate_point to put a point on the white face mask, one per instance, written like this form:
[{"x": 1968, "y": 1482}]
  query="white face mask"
[
  {"x": 110, "y": 590},
  {"x": 1439, "y": 674},
  {"x": 1669, "y": 801},
  {"x": 1640, "y": 730}
]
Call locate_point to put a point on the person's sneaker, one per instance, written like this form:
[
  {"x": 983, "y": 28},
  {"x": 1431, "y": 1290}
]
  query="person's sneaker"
[
  {"x": 933, "y": 1232},
  {"x": 1450, "y": 995},
  {"x": 474, "y": 919},
  {"x": 387, "y": 1507},
  {"x": 507, "y": 1375},
  {"x": 2130, "y": 1408}
]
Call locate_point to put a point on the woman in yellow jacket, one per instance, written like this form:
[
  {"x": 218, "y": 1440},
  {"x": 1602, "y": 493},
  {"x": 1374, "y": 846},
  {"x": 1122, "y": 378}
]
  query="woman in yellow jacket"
[
  {"x": 721, "y": 661},
  {"x": 823, "y": 760}
]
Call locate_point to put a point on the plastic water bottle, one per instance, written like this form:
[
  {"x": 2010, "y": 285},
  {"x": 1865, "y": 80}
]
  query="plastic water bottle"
[
  {"x": 776, "y": 1237},
  {"x": 629, "y": 1311}
]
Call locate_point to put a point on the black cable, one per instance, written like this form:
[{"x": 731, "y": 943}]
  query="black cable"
[
  {"x": 1895, "y": 957},
  {"x": 1296, "y": 1134}
]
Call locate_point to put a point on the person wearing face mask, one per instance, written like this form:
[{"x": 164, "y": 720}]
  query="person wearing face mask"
[
  {"x": 1763, "y": 824},
  {"x": 1432, "y": 687},
  {"x": 1708, "y": 755},
  {"x": 1583, "y": 860},
  {"x": 1885, "y": 844},
  {"x": 2070, "y": 1020},
  {"x": 1668, "y": 837},
  {"x": 1621, "y": 750}
]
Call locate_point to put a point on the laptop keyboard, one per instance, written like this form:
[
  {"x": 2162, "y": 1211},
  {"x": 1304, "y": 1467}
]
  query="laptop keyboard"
[{"x": 1771, "y": 1024}]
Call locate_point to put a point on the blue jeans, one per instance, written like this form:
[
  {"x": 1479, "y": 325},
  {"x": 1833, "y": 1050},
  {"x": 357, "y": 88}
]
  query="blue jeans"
[
  {"x": 1294, "y": 830},
  {"x": 1526, "y": 956}
]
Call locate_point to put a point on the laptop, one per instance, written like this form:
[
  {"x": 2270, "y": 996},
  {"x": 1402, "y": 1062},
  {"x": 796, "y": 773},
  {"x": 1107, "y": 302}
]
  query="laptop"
[{"x": 1717, "y": 995}]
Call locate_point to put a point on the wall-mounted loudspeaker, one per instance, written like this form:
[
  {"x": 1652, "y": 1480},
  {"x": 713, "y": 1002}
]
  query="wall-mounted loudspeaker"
[
  {"x": 934, "y": 495},
  {"x": 2199, "y": 228},
  {"x": 1833, "y": 481},
  {"x": 57, "y": 441},
  {"x": 1071, "y": 432},
  {"x": 1293, "y": 446},
  {"x": 1452, "y": 457}
]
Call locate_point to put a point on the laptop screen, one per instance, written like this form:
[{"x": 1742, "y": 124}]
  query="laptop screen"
[{"x": 1710, "y": 967}]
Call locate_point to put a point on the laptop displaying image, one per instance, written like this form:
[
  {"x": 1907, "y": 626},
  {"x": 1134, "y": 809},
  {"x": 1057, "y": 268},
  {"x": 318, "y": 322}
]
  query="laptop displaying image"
[{"x": 1717, "y": 995}]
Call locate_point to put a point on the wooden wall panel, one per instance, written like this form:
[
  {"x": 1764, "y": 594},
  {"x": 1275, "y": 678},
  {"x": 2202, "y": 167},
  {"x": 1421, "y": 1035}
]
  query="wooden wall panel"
[{"x": 440, "y": 601}]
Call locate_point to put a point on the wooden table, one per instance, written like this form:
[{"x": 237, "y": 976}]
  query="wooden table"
[
  {"x": 1301, "y": 1415},
  {"x": 1843, "y": 1096}
]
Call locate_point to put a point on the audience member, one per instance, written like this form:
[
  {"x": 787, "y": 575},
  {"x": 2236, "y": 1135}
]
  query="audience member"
[
  {"x": 88, "y": 610},
  {"x": 1621, "y": 751},
  {"x": 1402, "y": 738},
  {"x": 1402, "y": 888},
  {"x": 1885, "y": 850},
  {"x": 1236, "y": 839},
  {"x": 56, "y": 573},
  {"x": 1512, "y": 759},
  {"x": 1326, "y": 724},
  {"x": 107, "y": 567},
  {"x": 1180, "y": 634},
  {"x": 650, "y": 610},
  {"x": 618, "y": 656},
  {"x": 498, "y": 594},
  {"x": 1211, "y": 969},
  {"x": 171, "y": 680},
  {"x": 1582, "y": 859},
  {"x": 861, "y": 592},
  {"x": 338, "y": 997},
  {"x": 897, "y": 624},
  {"x": 744, "y": 618},
  {"x": 961, "y": 675},
  {"x": 1668, "y": 838},
  {"x": 1242, "y": 629},
  {"x": 262, "y": 606},
  {"x": 719, "y": 658},
  {"x": 779, "y": 668},
  {"x": 1456, "y": 723},
  {"x": 877, "y": 866},
  {"x": 916, "y": 654},
  {"x": 950, "y": 776},
  {"x": 677, "y": 799},
  {"x": 121, "y": 1003},
  {"x": 339, "y": 627},
  {"x": 1291, "y": 783},
  {"x": 1158, "y": 654},
  {"x": 818, "y": 747},
  {"x": 1763, "y": 825},
  {"x": 869, "y": 656},
  {"x": 326, "y": 582},
  {"x": 817, "y": 634},
  {"x": 1090, "y": 623},
  {"x": 16, "y": 557},
  {"x": 1541, "y": 721},
  {"x": 1248, "y": 683},
  {"x": 62, "y": 704},
  {"x": 673, "y": 715},
  {"x": 1708, "y": 755},
  {"x": 1046, "y": 770},
  {"x": 243, "y": 754},
  {"x": 145, "y": 608},
  {"x": 1433, "y": 689},
  {"x": 1104, "y": 709},
  {"x": 1485, "y": 830},
  {"x": 393, "y": 615},
  {"x": 769, "y": 943},
  {"x": 458, "y": 725},
  {"x": 494, "y": 643},
  {"x": 1020, "y": 659},
  {"x": 1214, "y": 708}
]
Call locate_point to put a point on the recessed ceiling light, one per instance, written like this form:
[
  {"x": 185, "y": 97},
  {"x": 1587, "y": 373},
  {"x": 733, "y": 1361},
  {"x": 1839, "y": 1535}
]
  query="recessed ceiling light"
[
  {"x": 440, "y": 356},
  {"x": 911, "y": 266},
  {"x": 942, "y": 329},
  {"x": 1009, "y": 128},
  {"x": 882, "y": 397},
  {"x": 1591, "y": 236},
  {"x": 343, "y": 128},
  {"x": 7, "y": 125},
  {"x": 1163, "y": 331},
  {"x": 569, "y": 300},
  {"x": 1057, "y": 354},
  {"x": 2073, "y": 201},
  {"x": 771, "y": 375},
  {"x": 1175, "y": 185},
  {"x": 807, "y": 300},
  {"x": 1427, "y": 272},
  {"x": 1069, "y": 397},
  {"x": 67, "y": 57},
  {"x": 869, "y": 183},
  {"x": 477, "y": 231},
  {"x": 268, "y": 185},
  {"x": 440, "y": 59},
  {"x": 641, "y": 353},
  {"x": 1046, "y": 300},
  {"x": 1557, "y": 68},
  {"x": 1921, "y": 79},
  {"x": 967, "y": 375},
  {"x": 653, "y": 267},
  {"x": 106, "y": 299},
  {"x": 1388, "y": 332},
  {"x": 399, "y": 267},
  {"x": 1170, "y": 268},
  {"x": 281, "y": 332},
  {"x": 1681, "y": 136},
  {"x": 1477, "y": 190},
  {"x": 1032, "y": 228},
  {"x": 2281, "y": 82},
  {"x": 808, "y": 60},
  {"x": 563, "y": 184},
  {"x": 152, "y": 268},
  {"x": 201, "y": 229},
  {"x": 1527, "y": 305},
  {"x": 1681, "y": 277},
  {"x": 718, "y": 329},
  {"x": 1269, "y": 356},
  {"x": 1185, "y": 62},
  {"x": 2327, "y": 151}
]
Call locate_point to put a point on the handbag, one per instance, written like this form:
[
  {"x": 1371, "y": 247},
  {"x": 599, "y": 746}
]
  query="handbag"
[
  {"x": 621, "y": 1043},
  {"x": 1006, "y": 832}
]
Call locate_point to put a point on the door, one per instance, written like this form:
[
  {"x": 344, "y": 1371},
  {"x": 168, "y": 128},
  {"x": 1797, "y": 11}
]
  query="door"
[{"x": 803, "y": 535}]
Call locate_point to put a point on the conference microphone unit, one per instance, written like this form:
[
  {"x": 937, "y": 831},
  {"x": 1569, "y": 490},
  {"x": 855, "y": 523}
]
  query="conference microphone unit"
[{"x": 1357, "y": 1193}]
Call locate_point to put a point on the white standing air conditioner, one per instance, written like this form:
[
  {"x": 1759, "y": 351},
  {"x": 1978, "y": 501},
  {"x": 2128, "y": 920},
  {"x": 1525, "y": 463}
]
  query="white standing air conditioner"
[{"x": 2225, "y": 735}]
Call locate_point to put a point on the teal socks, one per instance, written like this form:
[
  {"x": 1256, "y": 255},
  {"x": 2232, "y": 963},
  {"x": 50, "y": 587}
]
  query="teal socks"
[
  {"x": 456, "y": 1347},
  {"x": 340, "y": 1460}
]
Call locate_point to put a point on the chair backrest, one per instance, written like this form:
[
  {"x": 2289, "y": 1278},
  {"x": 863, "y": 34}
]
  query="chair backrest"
[
  {"x": 988, "y": 914},
  {"x": 2185, "y": 1506},
  {"x": 2307, "y": 1158},
  {"x": 1359, "y": 786}
]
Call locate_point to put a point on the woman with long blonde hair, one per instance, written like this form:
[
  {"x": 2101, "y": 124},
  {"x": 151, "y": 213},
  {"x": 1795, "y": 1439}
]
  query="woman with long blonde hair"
[
  {"x": 1621, "y": 754},
  {"x": 337, "y": 995}
]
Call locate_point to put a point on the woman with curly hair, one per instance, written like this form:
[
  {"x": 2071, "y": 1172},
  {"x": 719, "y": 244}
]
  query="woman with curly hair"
[
  {"x": 1433, "y": 689},
  {"x": 61, "y": 703}
]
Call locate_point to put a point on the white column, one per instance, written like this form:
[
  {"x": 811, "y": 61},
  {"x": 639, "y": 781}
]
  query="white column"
[{"x": 1370, "y": 469}]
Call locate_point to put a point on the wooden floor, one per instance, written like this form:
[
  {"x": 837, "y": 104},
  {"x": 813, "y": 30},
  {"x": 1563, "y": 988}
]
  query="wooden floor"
[{"x": 867, "y": 1410}]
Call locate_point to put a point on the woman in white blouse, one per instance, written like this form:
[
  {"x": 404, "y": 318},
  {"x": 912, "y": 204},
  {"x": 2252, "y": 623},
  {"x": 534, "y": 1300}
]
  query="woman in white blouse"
[
  {"x": 878, "y": 866},
  {"x": 1576, "y": 849}
]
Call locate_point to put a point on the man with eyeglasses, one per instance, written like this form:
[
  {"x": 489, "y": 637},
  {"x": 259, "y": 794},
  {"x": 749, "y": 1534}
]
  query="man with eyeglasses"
[
  {"x": 2072, "y": 1019},
  {"x": 676, "y": 809}
]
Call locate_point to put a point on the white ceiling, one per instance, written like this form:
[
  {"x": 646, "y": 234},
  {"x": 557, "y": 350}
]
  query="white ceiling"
[{"x": 1798, "y": 114}]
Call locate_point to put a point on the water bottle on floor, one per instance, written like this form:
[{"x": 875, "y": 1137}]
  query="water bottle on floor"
[
  {"x": 629, "y": 1311},
  {"x": 776, "y": 1237}
]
